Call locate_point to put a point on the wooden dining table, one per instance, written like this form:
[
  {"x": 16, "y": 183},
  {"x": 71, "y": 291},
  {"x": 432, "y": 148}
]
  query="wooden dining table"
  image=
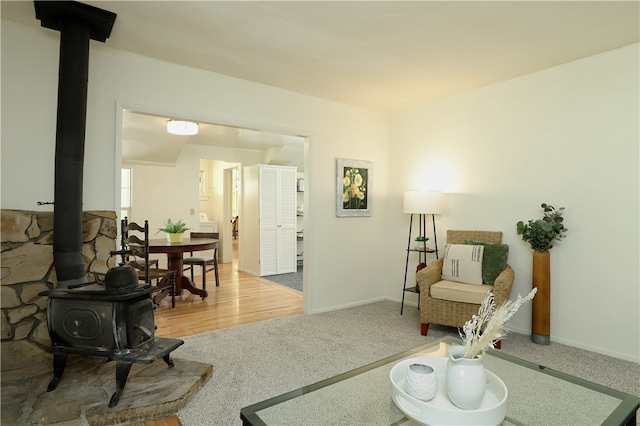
[{"x": 175, "y": 253}]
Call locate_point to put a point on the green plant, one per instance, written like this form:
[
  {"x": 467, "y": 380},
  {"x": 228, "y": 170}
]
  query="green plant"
[
  {"x": 174, "y": 228},
  {"x": 422, "y": 238},
  {"x": 541, "y": 233}
]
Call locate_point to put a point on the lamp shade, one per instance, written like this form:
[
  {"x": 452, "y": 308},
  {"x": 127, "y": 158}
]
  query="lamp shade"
[
  {"x": 422, "y": 202},
  {"x": 181, "y": 127}
]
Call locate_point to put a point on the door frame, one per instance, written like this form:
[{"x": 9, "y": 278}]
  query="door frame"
[
  {"x": 121, "y": 106},
  {"x": 226, "y": 230}
]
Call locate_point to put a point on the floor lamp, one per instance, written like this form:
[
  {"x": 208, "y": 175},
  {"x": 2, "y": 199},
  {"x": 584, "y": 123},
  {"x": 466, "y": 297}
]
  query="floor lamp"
[{"x": 421, "y": 203}]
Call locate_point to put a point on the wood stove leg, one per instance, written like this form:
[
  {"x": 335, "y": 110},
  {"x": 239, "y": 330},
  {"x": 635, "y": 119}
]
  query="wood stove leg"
[
  {"x": 122, "y": 373},
  {"x": 59, "y": 363},
  {"x": 167, "y": 359}
]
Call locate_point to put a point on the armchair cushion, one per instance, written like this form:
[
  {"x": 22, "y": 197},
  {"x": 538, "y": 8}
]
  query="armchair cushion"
[
  {"x": 494, "y": 259},
  {"x": 459, "y": 292},
  {"x": 463, "y": 263}
]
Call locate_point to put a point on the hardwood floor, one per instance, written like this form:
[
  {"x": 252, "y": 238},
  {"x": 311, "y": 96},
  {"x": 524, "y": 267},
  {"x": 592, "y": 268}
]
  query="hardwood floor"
[{"x": 240, "y": 299}]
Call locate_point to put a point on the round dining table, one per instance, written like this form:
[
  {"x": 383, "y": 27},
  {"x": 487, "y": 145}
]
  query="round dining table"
[{"x": 175, "y": 253}]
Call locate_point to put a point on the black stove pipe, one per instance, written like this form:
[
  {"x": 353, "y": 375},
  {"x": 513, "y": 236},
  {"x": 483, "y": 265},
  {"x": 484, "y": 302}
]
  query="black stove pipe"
[
  {"x": 69, "y": 159},
  {"x": 77, "y": 23}
]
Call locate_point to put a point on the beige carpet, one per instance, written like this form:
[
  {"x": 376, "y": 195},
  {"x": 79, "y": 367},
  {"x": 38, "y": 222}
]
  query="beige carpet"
[{"x": 262, "y": 360}]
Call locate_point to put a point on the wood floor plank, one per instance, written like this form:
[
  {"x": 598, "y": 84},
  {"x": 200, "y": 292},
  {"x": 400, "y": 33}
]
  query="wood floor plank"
[{"x": 240, "y": 299}]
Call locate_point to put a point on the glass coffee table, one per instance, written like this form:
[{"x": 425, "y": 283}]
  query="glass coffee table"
[{"x": 537, "y": 396}]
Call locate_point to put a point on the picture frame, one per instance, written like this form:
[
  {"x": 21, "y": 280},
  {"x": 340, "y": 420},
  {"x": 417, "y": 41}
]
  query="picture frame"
[{"x": 354, "y": 180}]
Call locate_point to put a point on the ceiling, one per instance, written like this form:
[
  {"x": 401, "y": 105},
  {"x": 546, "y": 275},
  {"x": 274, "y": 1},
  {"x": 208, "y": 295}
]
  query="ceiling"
[
  {"x": 379, "y": 55},
  {"x": 145, "y": 140}
]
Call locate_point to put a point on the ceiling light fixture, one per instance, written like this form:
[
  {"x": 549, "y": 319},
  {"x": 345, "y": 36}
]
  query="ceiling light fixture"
[{"x": 181, "y": 127}]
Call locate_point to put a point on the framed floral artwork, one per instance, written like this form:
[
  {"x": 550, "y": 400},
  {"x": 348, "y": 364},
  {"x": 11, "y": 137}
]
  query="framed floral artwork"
[{"x": 353, "y": 187}]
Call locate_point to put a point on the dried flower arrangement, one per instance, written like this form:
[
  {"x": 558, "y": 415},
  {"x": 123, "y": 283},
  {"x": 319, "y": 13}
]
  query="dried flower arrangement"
[{"x": 475, "y": 340}]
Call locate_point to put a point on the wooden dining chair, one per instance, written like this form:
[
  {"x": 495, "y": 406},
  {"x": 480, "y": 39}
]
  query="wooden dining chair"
[
  {"x": 139, "y": 248},
  {"x": 207, "y": 264},
  {"x": 123, "y": 246}
]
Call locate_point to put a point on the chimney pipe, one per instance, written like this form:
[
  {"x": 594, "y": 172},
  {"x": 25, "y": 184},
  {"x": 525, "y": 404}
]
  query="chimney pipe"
[{"x": 77, "y": 23}]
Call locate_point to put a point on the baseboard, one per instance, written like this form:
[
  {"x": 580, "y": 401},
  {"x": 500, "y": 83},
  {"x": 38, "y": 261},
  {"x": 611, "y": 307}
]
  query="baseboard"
[
  {"x": 406, "y": 301},
  {"x": 579, "y": 345},
  {"x": 348, "y": 305}
]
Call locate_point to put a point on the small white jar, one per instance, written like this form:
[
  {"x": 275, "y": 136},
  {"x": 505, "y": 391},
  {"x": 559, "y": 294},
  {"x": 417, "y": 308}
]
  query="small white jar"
[{"x": 421, "y": 382}]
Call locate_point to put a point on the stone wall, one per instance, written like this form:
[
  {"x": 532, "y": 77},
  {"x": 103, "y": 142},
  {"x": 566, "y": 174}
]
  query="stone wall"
[{"x": 27, "y": 270}]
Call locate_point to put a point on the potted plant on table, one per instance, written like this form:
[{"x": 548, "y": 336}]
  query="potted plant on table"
[
  {"x": 174, "y": 230},
  {"x": 541, "y": 234}
]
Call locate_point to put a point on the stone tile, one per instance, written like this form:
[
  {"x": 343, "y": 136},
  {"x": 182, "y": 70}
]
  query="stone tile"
[{"x": 14, "y": 225}]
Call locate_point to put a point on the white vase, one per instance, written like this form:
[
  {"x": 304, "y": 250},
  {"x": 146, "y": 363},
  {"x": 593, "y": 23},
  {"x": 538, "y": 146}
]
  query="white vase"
[{"x": 466, "y": 379}]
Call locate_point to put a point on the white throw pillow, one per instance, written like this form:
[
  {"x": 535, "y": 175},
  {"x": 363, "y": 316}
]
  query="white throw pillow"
[{"x": 463, "y": 263}]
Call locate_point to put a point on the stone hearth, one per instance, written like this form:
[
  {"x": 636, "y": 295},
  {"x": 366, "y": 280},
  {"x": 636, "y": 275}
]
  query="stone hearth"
[{"x": 82, "y": 396}]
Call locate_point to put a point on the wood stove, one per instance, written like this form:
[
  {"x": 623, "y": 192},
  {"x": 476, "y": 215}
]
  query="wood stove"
[
  {"x": 96, "y": 320},
  {"x": 113, "y": 319}
]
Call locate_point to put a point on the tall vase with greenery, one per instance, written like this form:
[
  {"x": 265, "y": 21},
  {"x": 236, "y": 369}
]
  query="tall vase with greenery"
[{"x": 541, "y": 234}]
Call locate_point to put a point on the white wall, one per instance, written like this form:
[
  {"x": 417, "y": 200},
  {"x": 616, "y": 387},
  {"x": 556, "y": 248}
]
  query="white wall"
[
  {"x": 160, "y": 193},
  {"x": 116, "y": 78},
  {"x": 567, "y": 136}
]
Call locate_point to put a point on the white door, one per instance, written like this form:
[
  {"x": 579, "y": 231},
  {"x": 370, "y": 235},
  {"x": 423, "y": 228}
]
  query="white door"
[
  {"x": 268, "y": 178},
  {"x": 287, "y": 221},
  {"x": 277, "y": 220}
]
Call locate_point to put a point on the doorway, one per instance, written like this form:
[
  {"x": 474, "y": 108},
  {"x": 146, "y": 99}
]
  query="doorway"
[
  {"x": 147, "y": 145},
  {"x": 231, "y": 218}
]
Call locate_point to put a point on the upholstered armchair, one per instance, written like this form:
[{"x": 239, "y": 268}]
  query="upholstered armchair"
[{"x": 450, "y": 302}]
